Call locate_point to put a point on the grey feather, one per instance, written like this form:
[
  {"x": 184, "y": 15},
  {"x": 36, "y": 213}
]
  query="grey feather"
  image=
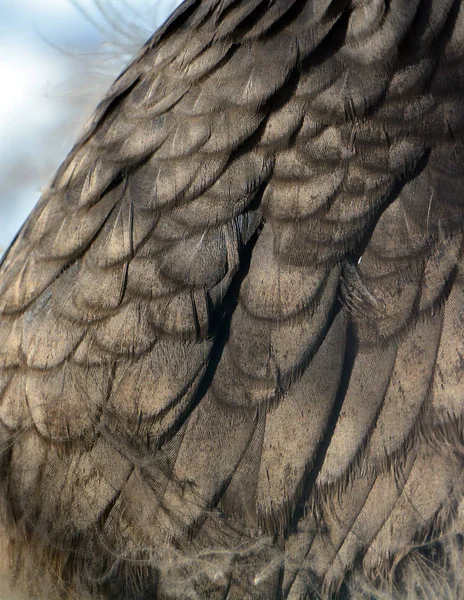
[{"x": 231, "y": 353}]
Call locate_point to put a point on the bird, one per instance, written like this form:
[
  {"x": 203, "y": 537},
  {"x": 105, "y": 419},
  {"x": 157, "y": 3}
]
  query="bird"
[{"x": 232, "y": 329}]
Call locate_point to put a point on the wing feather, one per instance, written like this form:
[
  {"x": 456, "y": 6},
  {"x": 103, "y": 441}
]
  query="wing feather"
[{"x": 231, "y": 330}]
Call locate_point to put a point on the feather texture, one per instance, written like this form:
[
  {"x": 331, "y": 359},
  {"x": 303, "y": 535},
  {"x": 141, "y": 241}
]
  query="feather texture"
[{"x": 231, "y": 330}]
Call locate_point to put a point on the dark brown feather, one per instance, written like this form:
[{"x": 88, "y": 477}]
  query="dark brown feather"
[{"x": 231, "y": 353}]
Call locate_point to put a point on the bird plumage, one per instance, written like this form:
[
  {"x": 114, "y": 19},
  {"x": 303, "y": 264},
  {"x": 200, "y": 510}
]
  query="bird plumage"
[{"x": 231, "y": 331}]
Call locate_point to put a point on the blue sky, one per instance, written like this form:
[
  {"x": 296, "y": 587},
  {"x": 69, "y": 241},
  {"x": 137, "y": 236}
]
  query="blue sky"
[{"x": 57, "y": 59}]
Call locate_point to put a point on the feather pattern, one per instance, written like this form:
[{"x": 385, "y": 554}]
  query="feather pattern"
[{"x": 231, "y": 330}]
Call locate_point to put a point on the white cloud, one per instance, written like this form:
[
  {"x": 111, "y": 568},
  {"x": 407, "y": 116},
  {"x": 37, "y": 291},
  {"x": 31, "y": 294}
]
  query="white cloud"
[
  {"x": 42, "y": 10},
  {"x": 25, "y": 74}
]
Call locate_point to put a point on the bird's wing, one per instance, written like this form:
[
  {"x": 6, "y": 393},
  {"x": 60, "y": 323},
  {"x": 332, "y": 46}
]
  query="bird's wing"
[{"x": 231, "y": 337}]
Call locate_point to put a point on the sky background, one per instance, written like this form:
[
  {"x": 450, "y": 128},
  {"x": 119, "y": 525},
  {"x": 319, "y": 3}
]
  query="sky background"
[{"x": 57, "y": 59}]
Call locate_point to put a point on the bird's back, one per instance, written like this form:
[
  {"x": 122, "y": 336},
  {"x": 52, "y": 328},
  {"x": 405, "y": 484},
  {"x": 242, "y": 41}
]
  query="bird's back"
[{"x": 232, "y": 330}]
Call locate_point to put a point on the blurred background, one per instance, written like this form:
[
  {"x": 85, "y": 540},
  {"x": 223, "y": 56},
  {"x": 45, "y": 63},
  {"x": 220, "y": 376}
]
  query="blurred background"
[{"x": 57, "y": 59}]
